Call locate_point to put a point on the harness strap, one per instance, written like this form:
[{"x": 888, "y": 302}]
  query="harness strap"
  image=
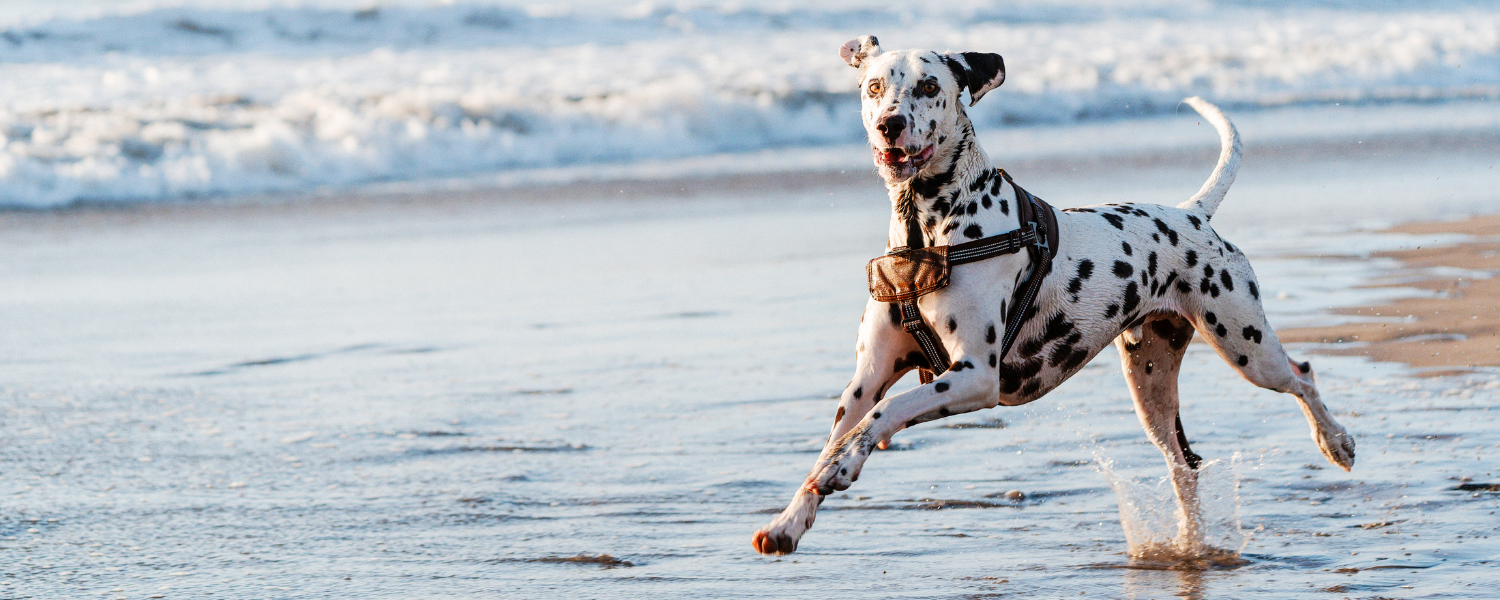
[
  {"x": 1038, "y": 233},
  {"x": 1040, "y": 216}
]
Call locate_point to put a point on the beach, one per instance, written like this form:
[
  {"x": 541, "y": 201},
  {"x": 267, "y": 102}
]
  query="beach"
[
  {"x": 461, "y": 393},
  {"x": 500, "y": 300}
]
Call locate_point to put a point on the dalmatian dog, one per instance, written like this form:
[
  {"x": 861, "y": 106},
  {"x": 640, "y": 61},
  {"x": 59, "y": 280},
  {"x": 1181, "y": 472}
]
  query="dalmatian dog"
[{"x": 1146, "y": 276}]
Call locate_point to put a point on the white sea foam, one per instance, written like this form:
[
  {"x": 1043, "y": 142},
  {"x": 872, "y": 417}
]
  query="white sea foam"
[{"x": 183, "y": 101}]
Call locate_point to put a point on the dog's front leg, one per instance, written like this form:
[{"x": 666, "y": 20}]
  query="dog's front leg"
[
  {"x": 963, "y": 388},
  {"x": 883, "y": 354}
]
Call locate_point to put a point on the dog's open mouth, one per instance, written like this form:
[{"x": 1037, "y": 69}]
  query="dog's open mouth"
[{"x": 898, "y": 157}]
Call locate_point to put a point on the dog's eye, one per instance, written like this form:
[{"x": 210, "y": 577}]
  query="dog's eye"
[
  {"x": 929, "y": 88},
  {"x": 875, "y": 88}
]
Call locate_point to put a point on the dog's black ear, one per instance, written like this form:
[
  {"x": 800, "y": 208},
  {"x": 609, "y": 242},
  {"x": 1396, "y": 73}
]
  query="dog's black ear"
[
  {"x": 855, "y": 51},
  {"x": 978, "y": 71}
]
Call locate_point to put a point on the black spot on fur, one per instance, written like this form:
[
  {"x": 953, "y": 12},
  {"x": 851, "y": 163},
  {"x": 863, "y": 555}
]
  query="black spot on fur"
[
  {"x": 1196, "y": 223},
  {"x": 1210, "y": 318},
  {"x": 1213, "y": 290},
  {"x": 986, "y": 201},
  {"x": 1251, "y": 333},
  {"x": 1032, "y": 346},
  {"x": 973, "y": 232},
  {"x": 875, "y": 415},
  {"x": 959, "y": 366},
  {"x": 1208, "y": 270},
  {"x": 1059, "y": 354},
  {"x": 1011, "y": 375},
  {"x": 928, "y": 187},
  {"x": 1123, "y": 269},
  {"x": 1203, "y": 285},
  {"x": 1221, "y": 330},
  {"x": 942, "y": 386},
  {"x": 1242, "y": 360},
  {"x": 989, "y": 334},
  {"x": 1224, "y": 279},
  {"x": 1176, "y": 336},
  {"x": 1254, "y": 290},
  {"x": 1004, "y": 207},
  {"x": 952, "y": 325},
  {"x": 1076, "y": 360},
  {"x": 858, "y": 392},
  {"x": 1126, "y": 247},
  {"x": 1192, "y": 258},
  {"x": 979, "y": 182},
  {"x": 1031, "y": 388},
  {"x": 1115, "y": 220},
  {"x": 912, "y": 360},
  {"x": 1057, "y": 327},
  {"x": 992, "y": 360},
  {"x": 973, "y": 208},
  {"x": 1182, "y": 286},
  {"x": 895, "y": 314},
  {"x": 1085, "y": 268},
  {"x": 1156, "y": 237},
  {"x": 1132, "y": 297},
  {"x": 1165, "y": 285},
  {"x": 1167, "y": 231},
  {"x": 1151, "y": 264},
  {"x": 943, "y": 410},
  {"x": 1111, "y": 310},
  {"x": 1304, "y": 367}
]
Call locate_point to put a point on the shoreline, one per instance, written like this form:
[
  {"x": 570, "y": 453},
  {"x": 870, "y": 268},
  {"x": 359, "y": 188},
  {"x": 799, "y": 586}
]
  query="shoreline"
[{"x": 1453, "y": 331}]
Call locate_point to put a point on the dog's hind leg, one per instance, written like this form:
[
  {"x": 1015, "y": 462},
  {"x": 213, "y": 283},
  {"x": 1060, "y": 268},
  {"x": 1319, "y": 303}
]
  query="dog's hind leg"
[
  {"x": 1151, "y": 357},
  {"x": 1236, "y": 328},
  {"x": 883, "y": 354}
]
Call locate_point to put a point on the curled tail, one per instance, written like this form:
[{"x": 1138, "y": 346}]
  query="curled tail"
[{"x": 1207, "y": 200}]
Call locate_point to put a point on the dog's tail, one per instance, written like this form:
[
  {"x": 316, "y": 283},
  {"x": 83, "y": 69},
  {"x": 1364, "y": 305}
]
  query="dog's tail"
[{"x": 1207, "y": 200}]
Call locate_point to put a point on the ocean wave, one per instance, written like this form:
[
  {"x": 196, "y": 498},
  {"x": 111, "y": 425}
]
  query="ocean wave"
[{"x": 182, "y": 102}]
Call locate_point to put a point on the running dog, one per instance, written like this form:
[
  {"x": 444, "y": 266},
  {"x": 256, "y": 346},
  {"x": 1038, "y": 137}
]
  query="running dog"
[{"x": 1144, "y": 275}]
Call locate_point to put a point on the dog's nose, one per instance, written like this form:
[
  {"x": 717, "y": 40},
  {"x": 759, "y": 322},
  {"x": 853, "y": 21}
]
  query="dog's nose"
[{"x": 891, "y": 127}]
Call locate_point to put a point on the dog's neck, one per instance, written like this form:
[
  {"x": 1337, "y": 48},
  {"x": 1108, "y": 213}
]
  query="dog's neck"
[{"x": 955, "y": 198}]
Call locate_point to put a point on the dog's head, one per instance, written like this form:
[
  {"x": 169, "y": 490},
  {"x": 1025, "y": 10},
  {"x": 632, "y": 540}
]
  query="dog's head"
[{"x": 910, "y": 100}]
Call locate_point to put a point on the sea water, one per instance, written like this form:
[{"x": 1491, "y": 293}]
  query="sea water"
[{"x": 155, "y": 100}]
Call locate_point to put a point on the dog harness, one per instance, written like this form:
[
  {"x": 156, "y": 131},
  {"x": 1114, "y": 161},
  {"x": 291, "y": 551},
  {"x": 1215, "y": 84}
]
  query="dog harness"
[{"x": 909, "y": 272}]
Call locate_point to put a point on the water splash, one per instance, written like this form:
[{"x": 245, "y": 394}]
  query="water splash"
[{"x": 1157, "y": 531}]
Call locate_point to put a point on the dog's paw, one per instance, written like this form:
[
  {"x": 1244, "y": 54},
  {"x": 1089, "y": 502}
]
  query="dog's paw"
[
  {"x": 1337, "y": 445},
  {"x": 782, "y": 534},
  {"x": 775, "y": 540}
]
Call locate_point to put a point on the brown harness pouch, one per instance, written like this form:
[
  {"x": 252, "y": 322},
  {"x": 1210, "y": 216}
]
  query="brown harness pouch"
[{"x": 908, "y": 274}]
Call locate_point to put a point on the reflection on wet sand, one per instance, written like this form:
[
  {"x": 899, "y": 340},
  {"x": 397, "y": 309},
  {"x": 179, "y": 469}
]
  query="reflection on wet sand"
[{"x": 1150, "y": 583}]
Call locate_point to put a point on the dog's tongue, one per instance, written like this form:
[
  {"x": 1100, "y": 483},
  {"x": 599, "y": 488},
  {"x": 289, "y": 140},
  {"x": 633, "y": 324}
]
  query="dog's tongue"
[{"x": 893, "y": 155}]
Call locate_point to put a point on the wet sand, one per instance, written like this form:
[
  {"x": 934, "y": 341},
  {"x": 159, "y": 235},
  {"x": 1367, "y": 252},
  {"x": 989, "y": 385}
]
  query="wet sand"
[{"x": 1453, "y": 329}]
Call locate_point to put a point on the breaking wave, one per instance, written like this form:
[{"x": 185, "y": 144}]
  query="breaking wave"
[{"x": 181, "y": 102}]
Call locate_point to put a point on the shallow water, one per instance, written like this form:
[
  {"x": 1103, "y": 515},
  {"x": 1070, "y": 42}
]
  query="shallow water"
[{"x": 461, "y": 399}]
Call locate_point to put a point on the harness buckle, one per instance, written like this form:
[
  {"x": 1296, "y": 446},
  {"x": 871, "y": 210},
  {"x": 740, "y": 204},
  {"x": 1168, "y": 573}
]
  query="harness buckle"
[{"x": 1039, "y": 237}]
